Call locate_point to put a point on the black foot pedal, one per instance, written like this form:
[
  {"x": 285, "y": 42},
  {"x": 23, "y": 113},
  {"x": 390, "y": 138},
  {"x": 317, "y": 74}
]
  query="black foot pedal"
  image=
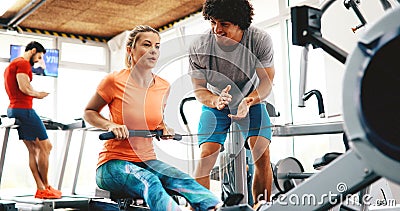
[
  {"x": 7, "y": 206},
  {"x": 233, "y": 199}
]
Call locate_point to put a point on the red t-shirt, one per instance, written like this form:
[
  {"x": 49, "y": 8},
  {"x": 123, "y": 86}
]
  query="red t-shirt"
[{"x": 17, "y": 98}]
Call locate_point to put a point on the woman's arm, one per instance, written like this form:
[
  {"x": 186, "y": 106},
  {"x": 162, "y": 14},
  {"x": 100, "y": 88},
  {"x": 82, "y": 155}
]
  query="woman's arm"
[
  {"x": 93, "y": 117},
  {"x": 163, "y": 126}
]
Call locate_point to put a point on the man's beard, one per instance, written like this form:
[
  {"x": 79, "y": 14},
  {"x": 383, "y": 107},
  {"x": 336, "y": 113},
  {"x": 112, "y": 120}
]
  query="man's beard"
[{"x": 31, "y": 60}]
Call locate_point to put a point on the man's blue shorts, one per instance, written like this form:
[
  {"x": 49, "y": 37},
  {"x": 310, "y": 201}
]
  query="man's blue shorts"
[
  {"x": 212, "y": 120},
  {"x": 30, "y": 125}
]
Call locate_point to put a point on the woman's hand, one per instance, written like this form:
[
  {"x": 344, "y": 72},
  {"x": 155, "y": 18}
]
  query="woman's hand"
[
  {"x": 224, "y": 98},
  {"x": 243, "y": 109},
  {"x": 168, "y": 133},
  {"x": 120, "y": 131}
]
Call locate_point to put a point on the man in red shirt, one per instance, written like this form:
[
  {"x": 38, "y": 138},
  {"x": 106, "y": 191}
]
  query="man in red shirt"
[{"x": 17, "y": 78}]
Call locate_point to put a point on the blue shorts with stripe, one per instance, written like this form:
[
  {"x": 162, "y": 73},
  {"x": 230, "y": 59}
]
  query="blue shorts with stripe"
[
  {"x": 216, "y": 123},
  {"x": 30, "y": 124}
]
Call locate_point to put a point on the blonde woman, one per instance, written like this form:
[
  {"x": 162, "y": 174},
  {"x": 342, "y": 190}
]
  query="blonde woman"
[{"x": 136, "y": 99}]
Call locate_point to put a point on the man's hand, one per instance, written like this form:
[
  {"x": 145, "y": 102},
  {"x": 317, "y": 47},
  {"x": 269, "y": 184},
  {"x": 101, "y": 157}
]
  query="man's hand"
[
  {"x": 42, "y": 95},
  {"x": 243, "y": 109},
  {"x": 224, "y": 98}
]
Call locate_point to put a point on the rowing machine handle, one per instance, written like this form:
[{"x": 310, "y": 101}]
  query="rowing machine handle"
[
  {"x": 110, "y": 135},
  {"x": 177, "y": 137},
  {"x": 106, "y": 136}
]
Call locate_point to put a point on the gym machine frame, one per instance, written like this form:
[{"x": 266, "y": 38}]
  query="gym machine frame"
[
  {"x": 375, "y": 151},
  {"x": 50, "y": 204}
]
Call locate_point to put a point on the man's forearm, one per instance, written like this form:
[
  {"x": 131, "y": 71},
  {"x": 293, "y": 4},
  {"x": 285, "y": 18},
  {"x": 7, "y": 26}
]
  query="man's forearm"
[
  {"x": 261, "y": 92},
  {"x": 206, "y": 97}
]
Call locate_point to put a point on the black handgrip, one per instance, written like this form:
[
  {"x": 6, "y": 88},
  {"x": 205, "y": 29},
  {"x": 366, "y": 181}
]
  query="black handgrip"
[
  {"x": 110, "y": 135},
  {"x": 233, "y": 199},
  {"x": 106, "y": 136},
  {"x": 320, "y": 100},
  {"x": 181, "y": 108},
  {"x": 177, "y": 137},
  {"x": 132, "y": 133}
]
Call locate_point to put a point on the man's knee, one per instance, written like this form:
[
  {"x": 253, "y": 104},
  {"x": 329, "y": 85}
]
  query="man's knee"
[
  {"x": 209, "y": 154},
  {"x": 44, "y": 145},
  {"x": 32, "y": 148},
  {"x": 258, "y": 142},
  {"x": 263, "y": 162},
  {"x": 259, "y": 147},
  {"x": 210, "y": 150}
]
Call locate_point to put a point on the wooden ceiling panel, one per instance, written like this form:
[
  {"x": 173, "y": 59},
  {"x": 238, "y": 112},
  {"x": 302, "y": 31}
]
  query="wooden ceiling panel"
[{"x": 103, "y": 18}]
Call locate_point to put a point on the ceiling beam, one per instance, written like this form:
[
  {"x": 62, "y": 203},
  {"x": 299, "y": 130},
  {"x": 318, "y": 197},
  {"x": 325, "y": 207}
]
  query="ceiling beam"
[{"x": 25, "y": 12}]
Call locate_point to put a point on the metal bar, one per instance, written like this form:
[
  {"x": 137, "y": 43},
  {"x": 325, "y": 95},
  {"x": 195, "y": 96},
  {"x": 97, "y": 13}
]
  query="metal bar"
[
  {"x": 303, "y": 74},
  {"x": 329, "y": 47},
  {"x": 68, "y": 136},
  {"x": 239, "y": 159},
  {"x": 191, "y": 146},
  {"x": 354, "y": 6},
  {"x": 309, "y": 129},
  {"x": 185, "y": 122},
  {"x": 78, "y": 165},
  {"x": 24, "y": 13},
  {"x": 3, "y": 151},
  {"x": 291, "y": 175}
]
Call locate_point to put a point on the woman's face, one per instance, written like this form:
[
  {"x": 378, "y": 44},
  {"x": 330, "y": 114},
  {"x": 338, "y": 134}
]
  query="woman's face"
[{"x": 146, "y": 51}]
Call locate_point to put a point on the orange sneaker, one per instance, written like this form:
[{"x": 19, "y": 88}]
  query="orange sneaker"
[
  {"x": 46, "y": 194},
  {"x": 54, "y": 190}
]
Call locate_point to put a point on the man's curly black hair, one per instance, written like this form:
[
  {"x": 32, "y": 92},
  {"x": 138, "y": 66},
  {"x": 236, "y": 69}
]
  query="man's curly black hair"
[{"x": 238, "y": 12}]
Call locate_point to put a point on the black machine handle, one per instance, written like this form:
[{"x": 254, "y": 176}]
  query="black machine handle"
[
  {"x": 353, "y": 5},
  {"x": 292, "y": 175},
  {"x": 181, "y": 108},
  {"x": 143, "y": 133},
  {"x": 320, "y": 100},
  {"x": 106, "y": 136}
]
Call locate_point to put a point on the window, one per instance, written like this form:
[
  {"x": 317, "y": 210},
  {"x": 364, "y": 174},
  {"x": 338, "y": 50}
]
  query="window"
[
  {"x": 264, "y": 10},
  {"x": 8, "y": 39},
  {"x": 85, "y": 54}
]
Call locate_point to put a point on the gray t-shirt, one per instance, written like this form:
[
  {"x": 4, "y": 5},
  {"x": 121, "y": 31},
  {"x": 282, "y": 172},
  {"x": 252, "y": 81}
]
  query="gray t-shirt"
[{"x": 232, "y": 65}]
